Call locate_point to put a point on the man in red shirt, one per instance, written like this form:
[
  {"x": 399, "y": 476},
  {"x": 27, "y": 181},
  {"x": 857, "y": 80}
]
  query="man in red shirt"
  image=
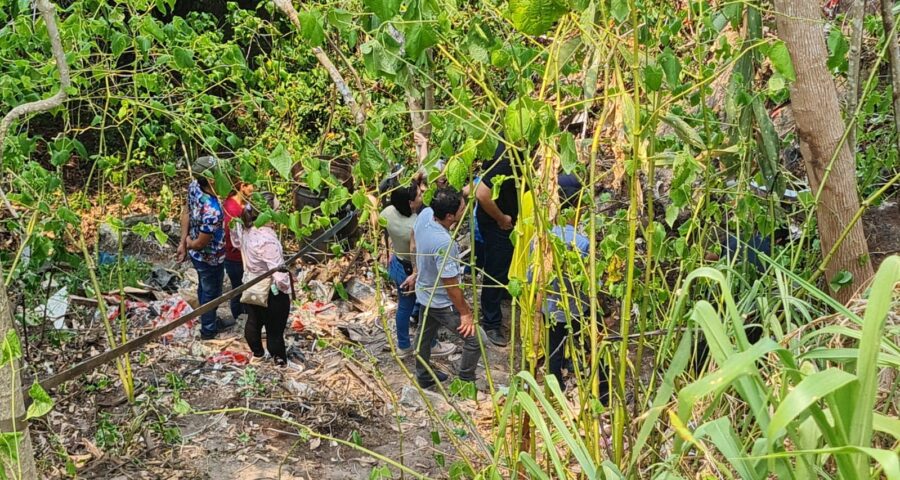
[{"x": 234, "y": 265}]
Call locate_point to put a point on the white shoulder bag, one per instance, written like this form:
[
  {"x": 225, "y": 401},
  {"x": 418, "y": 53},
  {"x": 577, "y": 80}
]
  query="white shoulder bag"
[{"x": 257, "y": 294}]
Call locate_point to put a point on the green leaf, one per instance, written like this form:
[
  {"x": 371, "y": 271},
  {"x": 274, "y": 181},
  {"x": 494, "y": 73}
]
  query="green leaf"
[
  {"x": 529, "y": 119},
  {"x": 181, "y": 407},
  {"x": 118, "y": 42},
  {"x": 514, "y": 287},
  {"x": 457, "y": 173},
  {"x": 281, "y": 161},
  {"x": 672, "y": 212},
  {"x": 314, "y": 180},
  {"x": 568, "y": 153},
  {"x": 311, "y": 27},
  {"x": 535, "y": 17},
  {"x": 841, "y": 279},
  {"x": 11, "y": 348},
  {"x": 653, "y": 76},
  {"x": 418, "y": 39},
  {"x": 384, "y": 9},
  {"x": 41, "y": 402},
  {"x": 223, "y": 184},
  {"x": 671, "y": 66},
  {"x": 67, "y": 215},
  {"x": 838, "y": 47},
  {"x": 340, "y": 19},
  {"x": 184, "y": 58},
  {"x": 781, "y": 61},
  {"x": 9, "y": 449},
  {"x": 620, "y": 10}
]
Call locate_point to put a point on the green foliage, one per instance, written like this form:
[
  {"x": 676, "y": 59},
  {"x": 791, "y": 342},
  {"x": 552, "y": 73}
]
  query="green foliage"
[
  {"x": 535, "y": 17},
  {"x": 781, "y": 61},
  {"x": 41, "y": 403}
]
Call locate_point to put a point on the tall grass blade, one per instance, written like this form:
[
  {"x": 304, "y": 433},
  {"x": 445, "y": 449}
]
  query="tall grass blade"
[
  {"x": 679, "y": 362},
  {"x": 860, "y": 433},
  {"x": 808, "y": 392},
  {"x": 722, "y": 435}
]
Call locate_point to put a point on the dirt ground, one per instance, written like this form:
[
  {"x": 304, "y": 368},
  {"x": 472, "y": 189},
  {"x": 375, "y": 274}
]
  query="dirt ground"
[{"x": 252, "y": 422}]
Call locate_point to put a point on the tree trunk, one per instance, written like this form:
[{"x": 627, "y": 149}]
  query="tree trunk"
[
  {"x": 11, "y": 394},
  {"x": 814, "y": 101},
  {"x": 890, "y": 34}
]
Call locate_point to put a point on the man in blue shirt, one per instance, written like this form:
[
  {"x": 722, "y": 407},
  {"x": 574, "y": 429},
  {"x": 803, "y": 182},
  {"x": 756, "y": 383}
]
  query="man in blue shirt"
[
  {"x": 567, "y": 303},
  {"x": 438, "y": 290},
  {"x": 203, "y": 240}
]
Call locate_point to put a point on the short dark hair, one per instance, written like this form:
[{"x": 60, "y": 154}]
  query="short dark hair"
[
  {"x": 251, "y": 212},
  {"x": 401, "y": 195},
  {"x": 569, "y": 190},
  {"x": 446, "y": 201}
]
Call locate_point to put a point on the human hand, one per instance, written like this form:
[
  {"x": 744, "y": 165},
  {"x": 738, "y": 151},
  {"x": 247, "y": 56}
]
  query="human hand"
[
  {"x": 409, "y": 285},
  {"x": 505, "y": 223},
  {"x": 181, "y": 252},
  {"x": 466, "y": 325}
]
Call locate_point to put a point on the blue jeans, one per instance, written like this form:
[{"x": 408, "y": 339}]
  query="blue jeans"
[
  {"x": 235, "y": 271},
  {"x": 209, "y": 287},
  {"x": 406, "y": 302}
]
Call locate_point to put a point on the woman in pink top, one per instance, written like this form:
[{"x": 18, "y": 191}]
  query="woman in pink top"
[
  {"x": 234, "y": 267},
  {"x": 262, "y": 252}
]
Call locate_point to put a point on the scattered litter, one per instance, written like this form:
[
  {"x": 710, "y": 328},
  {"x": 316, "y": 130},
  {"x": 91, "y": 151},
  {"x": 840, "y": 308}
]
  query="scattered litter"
[
  {"x": 362, "y": 294},
  {"x": 162, "y": 279},
  {"x": 155, "y": 314},
  {"x": 321, "y": 291},
  {"x": 170, "y": 310},
  {"x": 360, "y": 334},
  {"x": 56, "y": 308},
  {"x": 227, "y": 356}
]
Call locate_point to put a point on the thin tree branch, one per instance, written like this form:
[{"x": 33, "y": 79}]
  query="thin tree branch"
[
  {"x": 359, "y": 114},
  {"x": 48, "y": 13},
  {"x": 857, "y": 15},
  {"x": 887, "y": 18}
]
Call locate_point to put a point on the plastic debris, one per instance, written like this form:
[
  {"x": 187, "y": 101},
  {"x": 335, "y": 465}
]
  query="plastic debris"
[
  {"x": 162, "y": 279},
  {"x": 156, "y": 314},
  {"x": 56, "y": 308},
  {"x": 227, "y": 356}
]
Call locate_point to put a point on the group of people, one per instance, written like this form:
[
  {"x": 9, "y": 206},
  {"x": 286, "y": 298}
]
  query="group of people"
[
  {"x": 222, "y": 237},
  {"x": 426, "y": 268}
]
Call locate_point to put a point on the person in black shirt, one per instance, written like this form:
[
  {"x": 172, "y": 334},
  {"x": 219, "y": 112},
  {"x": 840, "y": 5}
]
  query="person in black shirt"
[{"x": 496, "y": 219}]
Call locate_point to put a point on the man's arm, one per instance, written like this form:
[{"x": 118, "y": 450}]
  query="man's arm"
[
  {"x": 467, "y": 324},
  {"x": 198, "y": 243},
  {"x": 181, "y": 252},
  {"x": 410, "y": 282},
  {"x": 486, "y": 202}
]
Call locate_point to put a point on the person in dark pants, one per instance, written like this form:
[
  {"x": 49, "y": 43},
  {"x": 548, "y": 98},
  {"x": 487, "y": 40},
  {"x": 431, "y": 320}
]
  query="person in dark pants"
[
  {"x": 262, "y": 251},
  {"x": 746, "y": 257},
  {"x": 438, "y": 290},
  {"x": 566, "y": 304},
  {"x": 496, "y": 219},
  {"x": 203, "y": 240},
  {"x": 401, "y": 216},
  {"x": 234, "y": 266}
]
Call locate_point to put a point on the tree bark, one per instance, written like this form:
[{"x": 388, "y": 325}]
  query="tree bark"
[
  {"x": 11, "y": 394},
  {"x": 887, "y": 19},
  {"x": 817, "y": 112}
]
